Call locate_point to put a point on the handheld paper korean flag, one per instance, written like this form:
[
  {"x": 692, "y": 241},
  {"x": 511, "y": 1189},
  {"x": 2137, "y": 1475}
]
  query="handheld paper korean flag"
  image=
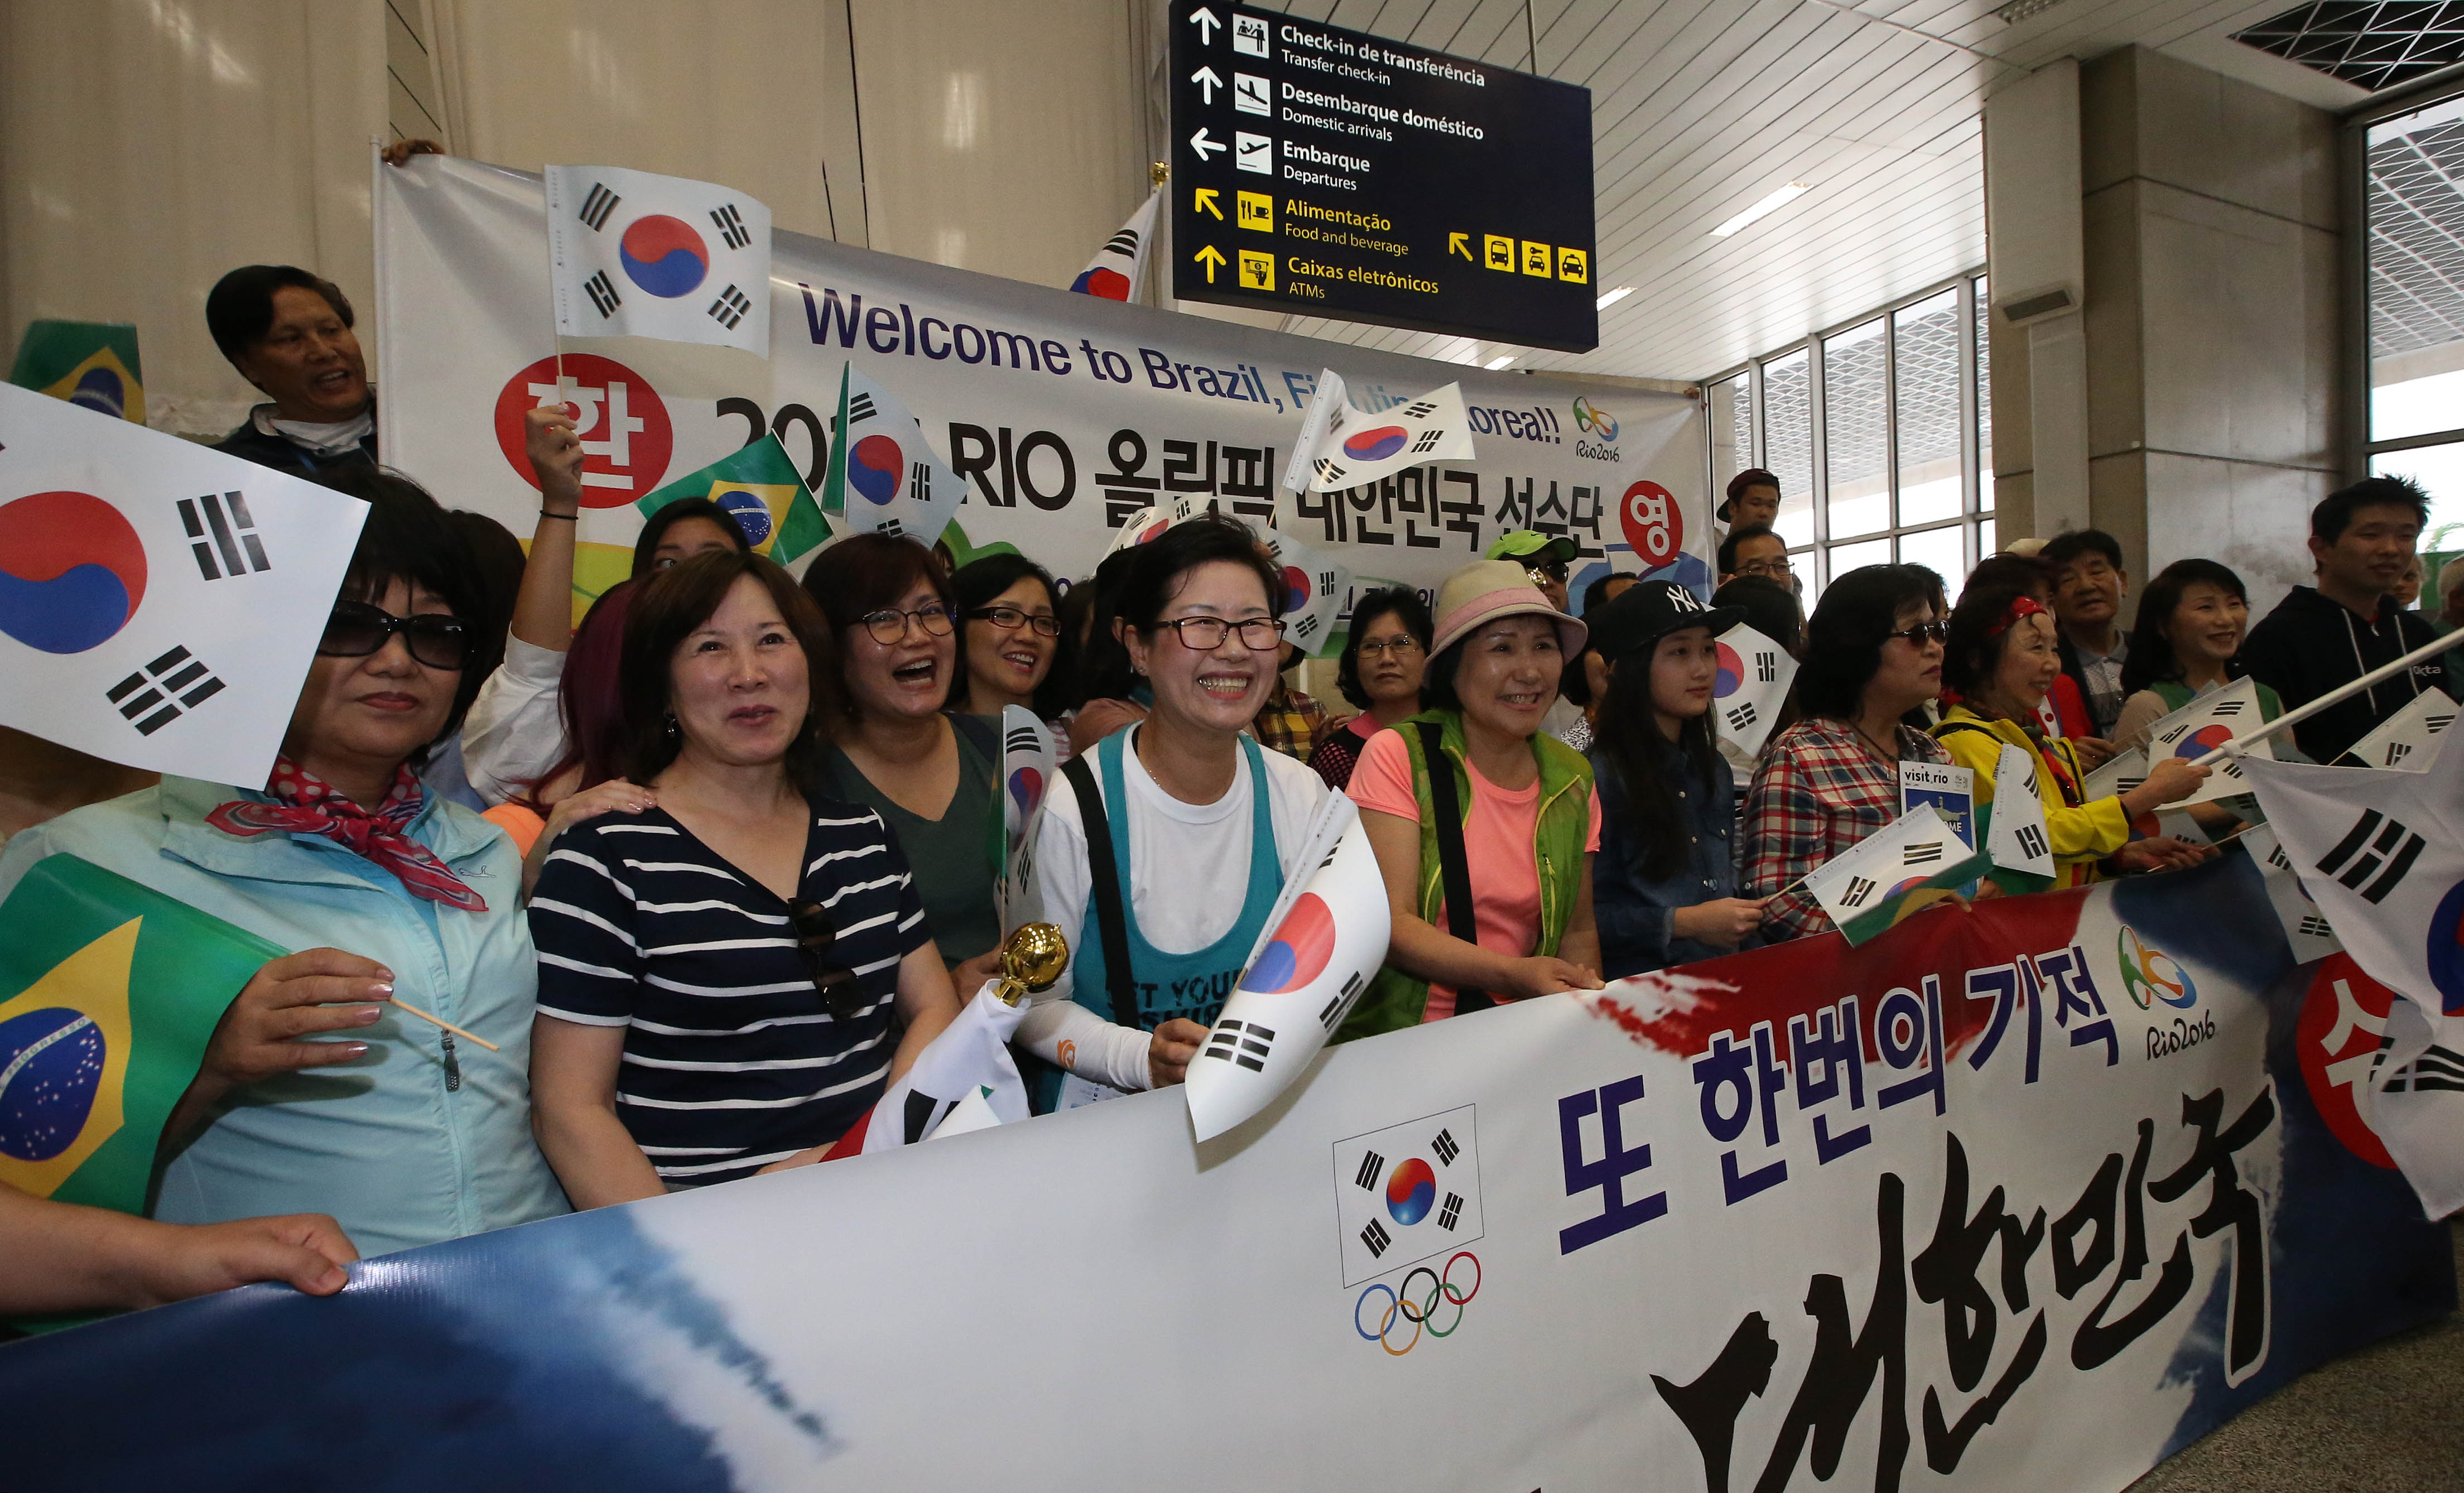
[
  {"x": 92, "y": 363},
  {"x": 1115, "y": 273},
  {"x": 883, "y": 474},
  {"x": 1750, "y": 686},
  {"x": 1909, "y": 864},
  {"x": 1314, "y": 588},
  {"x": 2204, "y": 725},
  {"x": 1326, "y": 946},
  {"x": 1144, "y": 527},
  {"x": 159, "y": 602},
  {"x": 2121, "y": 773},
  {"x": 761, "y": 488},
  {"x": 1026, "y": 774},
  {"x": 2015, "y": 839},
  {"x": 964, "y": 1059},
  {"x": 1352, "y": 447},
  {"x": 109, "y": 992},
  {"x": 635, "y": 255},
  {"x": 2403, "y": 739}
]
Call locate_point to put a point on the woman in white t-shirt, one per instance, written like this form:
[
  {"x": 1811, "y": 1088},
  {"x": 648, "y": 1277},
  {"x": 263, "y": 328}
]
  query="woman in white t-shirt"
[{"x": 1197, "y": 827}]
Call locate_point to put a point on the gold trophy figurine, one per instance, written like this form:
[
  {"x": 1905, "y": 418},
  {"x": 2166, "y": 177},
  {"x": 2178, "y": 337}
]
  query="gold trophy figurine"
[{"x": 1032, "y": 958}]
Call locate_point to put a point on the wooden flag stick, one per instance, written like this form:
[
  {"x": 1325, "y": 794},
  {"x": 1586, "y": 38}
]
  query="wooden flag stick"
[{"x": 438, "y": 1021}]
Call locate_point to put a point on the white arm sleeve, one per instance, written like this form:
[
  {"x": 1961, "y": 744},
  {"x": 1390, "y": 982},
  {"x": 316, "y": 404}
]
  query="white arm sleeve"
[
  {"x": 514, "y": 732},
  {"x": 1099, "y": 1049}
]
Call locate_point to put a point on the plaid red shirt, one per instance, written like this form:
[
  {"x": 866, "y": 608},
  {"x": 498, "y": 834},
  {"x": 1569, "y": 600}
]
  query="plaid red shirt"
[
  {"x": 1820, "y": 790},
  {"x": 1289, "y": 722}
]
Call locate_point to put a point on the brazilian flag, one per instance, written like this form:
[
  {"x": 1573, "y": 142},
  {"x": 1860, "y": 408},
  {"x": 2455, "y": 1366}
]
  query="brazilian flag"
[
  {"x": 760, "y": 486},
  {"x": 92, "y": 363},
  {"x": 109, "y": 992}
]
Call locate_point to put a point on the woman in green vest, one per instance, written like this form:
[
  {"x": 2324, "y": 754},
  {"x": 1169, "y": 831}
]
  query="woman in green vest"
[
  {"x": 1472, "y": 796},
  {"x": 2192, "y": 619}
]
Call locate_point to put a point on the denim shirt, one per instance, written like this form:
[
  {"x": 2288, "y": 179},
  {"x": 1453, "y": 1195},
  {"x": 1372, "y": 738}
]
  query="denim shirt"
[
  {"x": 400, "y": 1147},
  {"x": 1636, "y": 916}
]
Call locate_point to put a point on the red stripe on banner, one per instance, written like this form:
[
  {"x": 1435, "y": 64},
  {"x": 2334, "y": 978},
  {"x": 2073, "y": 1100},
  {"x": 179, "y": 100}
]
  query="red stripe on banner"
[{"x": 852, "y": 1144}]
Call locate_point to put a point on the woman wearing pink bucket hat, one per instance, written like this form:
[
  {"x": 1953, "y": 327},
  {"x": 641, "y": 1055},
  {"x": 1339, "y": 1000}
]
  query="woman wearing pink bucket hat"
[{"x": 1483, "y": 824}]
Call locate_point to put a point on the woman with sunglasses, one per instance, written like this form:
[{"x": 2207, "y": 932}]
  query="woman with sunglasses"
[
  {"x": 1009, "y": 631},
  {"x": 1168, "y": 842},
  {"x": 718, "y": 971},
  {"x": 315, "y": 1095},
  {"x": 1385, "y": 653},
  {"x": 932, "y": 775},
  {"x": 2002, "y": 657},
  {"x": 1873, "y": 655}
]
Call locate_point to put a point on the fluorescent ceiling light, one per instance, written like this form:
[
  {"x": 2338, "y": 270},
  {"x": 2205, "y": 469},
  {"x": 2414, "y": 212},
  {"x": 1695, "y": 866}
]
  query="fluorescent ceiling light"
[
  {"x": 1613, "y": 297},
  {"x": 1495, "y": 363},
  {"x": 1764, "y": 209}
]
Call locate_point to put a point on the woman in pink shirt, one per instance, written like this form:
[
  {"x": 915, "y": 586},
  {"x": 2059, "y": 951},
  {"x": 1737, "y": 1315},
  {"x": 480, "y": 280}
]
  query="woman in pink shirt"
[{"x": 1508, "y": 824}]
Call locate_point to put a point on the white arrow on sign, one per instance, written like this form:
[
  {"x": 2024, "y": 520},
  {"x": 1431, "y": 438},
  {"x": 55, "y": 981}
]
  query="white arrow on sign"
[
  {"x": 1207, "y": 80},
  {"x": 1202, "y": 144},
  {"x": 1202, "y": 18}
]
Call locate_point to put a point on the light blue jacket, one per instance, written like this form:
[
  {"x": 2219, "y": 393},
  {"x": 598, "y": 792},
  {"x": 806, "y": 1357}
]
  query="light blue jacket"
[{"x": 382, "y": 1144}]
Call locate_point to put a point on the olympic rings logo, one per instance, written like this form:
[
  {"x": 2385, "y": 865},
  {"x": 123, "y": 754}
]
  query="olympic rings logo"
[{"x": 1406, "y": 1303}]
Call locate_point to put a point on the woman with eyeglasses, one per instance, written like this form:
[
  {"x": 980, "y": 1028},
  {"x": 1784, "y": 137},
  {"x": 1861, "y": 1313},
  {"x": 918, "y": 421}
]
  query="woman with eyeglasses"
[
  {"x": 932, "y": 774},
  {"x": 1009, "y": 631},
  {"x": 1167, "y": 842},
  {"x": 316, "y": 1094},
  {"x": 719, "y": 972},
  {"x": 2001, "y": 657},
  {"x": 1873, "y": 655},
  {"x": 1484, "y": 825},
  {"x": 1385, "y": 653}
]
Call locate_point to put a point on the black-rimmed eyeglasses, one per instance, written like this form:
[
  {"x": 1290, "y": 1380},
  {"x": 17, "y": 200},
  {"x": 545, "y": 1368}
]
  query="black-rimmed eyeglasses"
[
  {"x": 889, "y": 626},
  {"x": 1010, "y": 618},
  {"x": 1206, "y": 634},
  {"x": 355, "y": 629}
]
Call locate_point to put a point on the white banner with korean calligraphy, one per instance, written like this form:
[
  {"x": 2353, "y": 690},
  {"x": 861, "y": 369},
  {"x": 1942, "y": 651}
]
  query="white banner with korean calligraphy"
[
  {"x": 1061, "y": 414},
  {"x": 2023, "y": 1197}
]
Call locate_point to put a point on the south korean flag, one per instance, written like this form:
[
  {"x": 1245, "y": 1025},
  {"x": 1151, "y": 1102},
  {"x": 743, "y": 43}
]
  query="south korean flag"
[
  {"x": 2204, "y": 725},
  {"x": 1342, "y": 446},
  {"x": 1315, "y": 587},
  {"x": 1749, "y": 691},
  {"x": 632, "y": 253},
  {"x": 2305, "y": 928},
  {"x": 884, "y": 476},
  {"x": 2404, "y": 740},
  {"x": 1408, "y": 1193},
  {"x": 160, "y": 601}
]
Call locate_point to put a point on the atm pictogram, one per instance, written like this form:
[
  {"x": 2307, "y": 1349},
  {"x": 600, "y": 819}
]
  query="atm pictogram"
[
  {"x": 1499, "y": 252},
  {"x": 1257, "y": 270},
  {"x": 1255, "y": 211}
]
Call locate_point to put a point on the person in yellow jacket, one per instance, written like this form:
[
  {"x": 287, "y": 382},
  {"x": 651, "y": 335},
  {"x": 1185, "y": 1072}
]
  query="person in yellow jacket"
[{"x": 2001, "y": 659}]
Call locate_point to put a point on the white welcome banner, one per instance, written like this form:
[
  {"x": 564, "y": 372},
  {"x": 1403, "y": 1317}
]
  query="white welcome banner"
[
  {"x": 2018, "y": 1198},
  {"x": 1063, "y": 414}
]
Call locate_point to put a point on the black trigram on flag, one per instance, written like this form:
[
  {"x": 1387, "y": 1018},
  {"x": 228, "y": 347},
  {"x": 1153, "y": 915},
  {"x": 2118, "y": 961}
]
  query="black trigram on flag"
[
  {"x": 221, "y": 526},
  {"x": 1447, "y": 1148},
  {"x": 597, "y": 205},
  {"x": 1767, "y": 665},
  {"x": 154, "y": 696},
  {"x": 2277, "y": 858},
  {"x": 1021, "y": 738},
  {"x": 1858, "y": 890},
  {"x": 1305, "y": 628},
  {"x": 2439, "y": 1069},
  {"x": 1428, "y": 441},
  {"x": 2314, "y": 926},
  {"x": 1742, "y": 714},
  {"x": 731, "y": 227},
  {"x": 1452, "y": 1213},
  {"x": 2397, "y": 751},
  {"x": 1244, "y": 1043},
  {"x": 2435, "y": 724},
  {"x": 2226, "y": 708},
  {"x": 919, "y": 481},
  {"x": 601, "y": 292},
  {"x": 2031, "y": 840},
  {"x": 893, "y": 528},
  {"x": 859, "y": 409},
  {"x": 1124, "y": 242},
  {"x": 1326, "y": 471},
  {"x": 2374, "y": 856},
  {"x": 1371, "y": 1164},
  {"x": 1376, "y": 1238},
  {"x": 1419, "y": 410},
  {"x": 1341, "y": 1005},
  {"x": 730, "y": 308},
  {"x": 1922, "y": 852}
]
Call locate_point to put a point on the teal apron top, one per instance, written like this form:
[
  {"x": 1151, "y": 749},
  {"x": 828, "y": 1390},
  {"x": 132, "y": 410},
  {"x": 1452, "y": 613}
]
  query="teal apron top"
[{"x": 1194, "y": 985}]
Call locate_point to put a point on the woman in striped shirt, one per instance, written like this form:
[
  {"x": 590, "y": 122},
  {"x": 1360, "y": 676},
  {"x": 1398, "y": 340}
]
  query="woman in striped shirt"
[{"x": 718, "y": 970}]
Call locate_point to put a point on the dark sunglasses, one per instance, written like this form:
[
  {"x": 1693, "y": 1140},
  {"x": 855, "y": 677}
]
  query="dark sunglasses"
[
  {"x": 1923, "y": 634},
  {"x": 1011, "y": 618},
  {"x": 436, "y": 639},
  {"x": 842, "y": 997}
]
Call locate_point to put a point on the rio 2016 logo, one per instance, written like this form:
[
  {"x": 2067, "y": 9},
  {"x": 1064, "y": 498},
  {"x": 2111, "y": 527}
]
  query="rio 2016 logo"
[
  {"x": 2152, "y": 975},
  {"x": 1592, "y": 420}
]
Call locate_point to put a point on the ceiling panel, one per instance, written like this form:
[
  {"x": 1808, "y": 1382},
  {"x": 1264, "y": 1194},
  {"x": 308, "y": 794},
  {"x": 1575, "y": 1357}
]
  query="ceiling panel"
[{"x": 1701, "y": 107}]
